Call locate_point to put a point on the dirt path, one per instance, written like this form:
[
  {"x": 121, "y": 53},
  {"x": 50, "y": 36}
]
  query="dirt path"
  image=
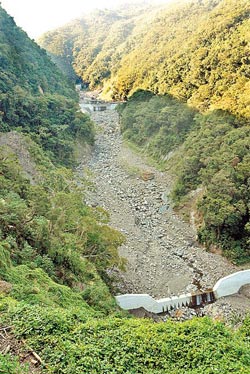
[{"x": 163, "y": 257}]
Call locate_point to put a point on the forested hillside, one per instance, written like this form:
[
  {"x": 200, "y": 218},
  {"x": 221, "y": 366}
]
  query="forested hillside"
[
  {"x": 26, "y": 66},
  {"x": 92, "y": 46},
  {"x": 45, "y": 225},
  {"x": 54, "y": 249},
  {"x": 35, "y": 97},
  {"x": 196, "y": 51},
  {"x": 57, "y": 312},
  {"x": 195, "y": 57}
]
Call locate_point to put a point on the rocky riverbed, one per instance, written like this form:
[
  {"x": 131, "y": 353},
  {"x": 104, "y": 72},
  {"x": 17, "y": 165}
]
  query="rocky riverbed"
[{"x": 163, "y": 257}]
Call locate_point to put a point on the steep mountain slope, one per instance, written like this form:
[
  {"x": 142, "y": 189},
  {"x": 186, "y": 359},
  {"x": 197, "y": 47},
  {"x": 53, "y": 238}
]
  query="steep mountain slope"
[
  {"x": 25, "y": 65},
  {"x": 55, "y": 250},
  {"x": 43, "y": 216},
  {"x": 196, "y": 51},
  {"x": 94, "y": 44},
  {"x": 196, "y": 54},
  {"x": 35, "y": 97}
]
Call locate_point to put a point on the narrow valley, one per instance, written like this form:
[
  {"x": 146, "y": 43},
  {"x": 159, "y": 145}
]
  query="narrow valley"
[{"x": 163, "y": 257}]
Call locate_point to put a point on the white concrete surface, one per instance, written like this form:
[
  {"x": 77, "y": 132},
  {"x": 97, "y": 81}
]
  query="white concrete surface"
[
  {"x": 135, "y": 301},
  {"x": 224, "y": 287},
  {"x": 88, "y": 107},
  {"x": 231, "y": 284}
]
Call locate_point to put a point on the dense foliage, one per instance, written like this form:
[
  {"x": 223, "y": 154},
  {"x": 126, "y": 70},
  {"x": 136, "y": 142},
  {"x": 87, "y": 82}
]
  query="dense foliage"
[
  {"x": 72, "y": 341},
  {"x": 195, "y": 51},
  {"x": 47, "y": 226},
  {"x": 92, "y": 46},
  {"x": 216, "y": 158},
  {"x": 55, "y": 250},
  {"x": 35, "y": 97},
  {"x": 24, "y": 64},
  {"x": 52, "y": 120},
  {"x": 156, "y": 123}
]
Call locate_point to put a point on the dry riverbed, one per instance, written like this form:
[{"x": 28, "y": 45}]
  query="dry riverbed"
[{"x": 162, "y": 255}]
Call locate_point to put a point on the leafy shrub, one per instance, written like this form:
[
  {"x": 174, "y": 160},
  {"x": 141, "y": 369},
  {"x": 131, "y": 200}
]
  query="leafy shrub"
[
  {"x": 71, "y": 344},
  {"x": 10, "y": 365}
]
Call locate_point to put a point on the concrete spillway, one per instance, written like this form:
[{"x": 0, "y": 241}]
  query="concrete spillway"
[{"x": 224, "y": 287}]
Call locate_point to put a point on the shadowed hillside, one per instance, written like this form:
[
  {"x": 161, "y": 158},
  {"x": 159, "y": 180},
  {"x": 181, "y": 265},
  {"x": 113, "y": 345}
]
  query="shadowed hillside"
[
  {"x": 57, "y": 312},
  {"x": 36, "y": 98}
]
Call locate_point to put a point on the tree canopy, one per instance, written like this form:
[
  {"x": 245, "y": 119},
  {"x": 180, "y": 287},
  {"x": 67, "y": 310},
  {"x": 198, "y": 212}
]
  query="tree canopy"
[
  {"x": 36, "y": 98},
  {"x": 55, "y": 291},
  {"x": 197, "y": 51}
]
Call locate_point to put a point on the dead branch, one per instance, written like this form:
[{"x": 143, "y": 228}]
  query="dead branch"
[{"x": 37, "y": 357}]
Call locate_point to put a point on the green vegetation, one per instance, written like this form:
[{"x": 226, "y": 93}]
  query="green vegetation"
[
  {"x": 71, "y": 341},
  {"x": 10, "y": 365},
  {"x": 92, "y": 46},
  {"x": 25, "y": 65},
  {"x": 216, "y": 157},
  {"x": 156, "y": 123},
  {"x": 47, "y": 226},
  {"x": 35, "y": 97},
  {"x": 197, "y": 52},
  {"x": 195, "y": 57},
  {"x": 55, "y": 250},
  {"x": 51, "y": 120}
]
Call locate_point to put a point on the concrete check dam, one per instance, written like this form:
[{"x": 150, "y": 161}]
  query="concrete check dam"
[{"x": 226, "y": 286}]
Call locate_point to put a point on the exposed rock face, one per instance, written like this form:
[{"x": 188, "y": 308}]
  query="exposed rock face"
[
  {"x": 14, "y": 142},
  {"x": 5, "y": 287},
  {"x": 163, "y": 256}
]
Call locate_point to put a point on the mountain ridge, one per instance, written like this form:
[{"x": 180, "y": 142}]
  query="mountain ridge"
[
  {"x": 56, "y": 251},
  {"x": 196, "y": 51}
]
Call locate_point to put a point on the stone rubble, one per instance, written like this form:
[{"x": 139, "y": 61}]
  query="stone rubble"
[{"x": 163, "y": 257}]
